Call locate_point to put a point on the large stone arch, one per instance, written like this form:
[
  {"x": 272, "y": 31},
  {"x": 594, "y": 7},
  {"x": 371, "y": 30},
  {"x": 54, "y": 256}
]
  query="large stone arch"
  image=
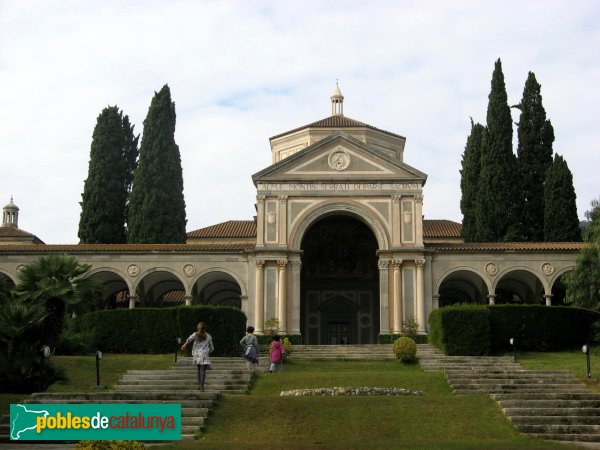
[
  {"x": 346, "y": 207},
  {"x": 339, "y": 281},
  {"x": 116, "y": 287},
  {"x": 520, "y": 284},
  {"x": 151, "y": 286},
  {"x": 462, "y": 284},
  {"x": 558, "y": 288},
  {"x": 218, "y": 286},
  {"x": 6, "y": 281}
]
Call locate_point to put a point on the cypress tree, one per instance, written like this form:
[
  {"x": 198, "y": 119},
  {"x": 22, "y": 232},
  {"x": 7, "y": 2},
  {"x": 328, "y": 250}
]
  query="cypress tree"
[
  {"x": 534, "y": 152},
  {"x": 113, "y": 156},
  {"x": 157, "y": 205},
  {"x": 471, "y": 168},
  {"x": 498, "y": 199},
  {"x": 561, "y": 222}
]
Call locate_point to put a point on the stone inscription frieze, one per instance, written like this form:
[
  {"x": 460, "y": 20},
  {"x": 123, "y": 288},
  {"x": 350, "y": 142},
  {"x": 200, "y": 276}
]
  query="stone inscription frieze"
[{"x": 340, "y": 187}]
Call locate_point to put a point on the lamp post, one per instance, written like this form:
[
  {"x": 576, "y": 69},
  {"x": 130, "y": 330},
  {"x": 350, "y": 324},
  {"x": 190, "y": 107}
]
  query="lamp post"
[
  {"x": 98, "y": 358},
  {"x": 45, "y": 353},
  {"x": 586, "y": 349},
  {"x": 178, "y": 340},
  {"x": 513, "y": 342}
]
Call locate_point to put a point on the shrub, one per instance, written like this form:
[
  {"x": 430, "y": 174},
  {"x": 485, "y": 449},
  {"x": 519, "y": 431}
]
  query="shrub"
[
  {"x": 287, "y": 345},
  {"x": 390, "y": 338},
  {"x": 461, "y": 330},
  {"x": 405, "y": 349}
]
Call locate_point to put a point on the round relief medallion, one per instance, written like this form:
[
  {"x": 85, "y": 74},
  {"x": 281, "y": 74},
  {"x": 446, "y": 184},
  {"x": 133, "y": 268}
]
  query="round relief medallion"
[
  {"x": 548, "y": 269},
  {"x": 491, "y": 268},
  {"x": 189, "y": 270},
  {"x": 133, "y": 270},
  {"x": 339, "y": 160},
  {"x": 20, "y": 267}
]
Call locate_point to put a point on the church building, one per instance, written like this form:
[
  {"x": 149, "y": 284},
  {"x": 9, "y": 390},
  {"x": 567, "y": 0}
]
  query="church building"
[{"x": 339, "y": 251}]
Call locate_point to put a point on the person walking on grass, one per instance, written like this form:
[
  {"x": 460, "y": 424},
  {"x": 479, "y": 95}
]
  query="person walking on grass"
[
  {"x": 250, "y": 343},
  {"x": 277, "y": 353},
  {"x": 202, "y": 347}
]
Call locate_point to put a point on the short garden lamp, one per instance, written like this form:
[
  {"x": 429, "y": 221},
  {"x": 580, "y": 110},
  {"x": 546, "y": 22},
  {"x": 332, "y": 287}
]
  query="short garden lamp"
[
  {"x": 586, "y": 349},
  {"x": 178, "y": 341},
  {"x": 98, "y": 358},
  {"x": 45, "y": 353},
  {"x": 513, "y": 342}
]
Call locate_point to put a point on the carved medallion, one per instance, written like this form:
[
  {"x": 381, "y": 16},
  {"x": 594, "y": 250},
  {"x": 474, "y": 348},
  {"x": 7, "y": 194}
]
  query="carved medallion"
[
  {"x": 339, "y": 160},
  {"x": 491, "y": 269},
  {"x": 133, "y": 270},
  {"x": 548, "y": 269},
  {"x": 189, "y": 270}
]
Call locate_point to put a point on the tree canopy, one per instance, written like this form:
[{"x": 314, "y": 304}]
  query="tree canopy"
[
  {"x": 469, "y": 181},
  {"x": 157, "y": 205},
  {"x": 113, "y": 158}
]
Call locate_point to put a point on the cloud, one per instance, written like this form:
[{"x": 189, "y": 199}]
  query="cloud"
[{"x": 241, "y": 72}]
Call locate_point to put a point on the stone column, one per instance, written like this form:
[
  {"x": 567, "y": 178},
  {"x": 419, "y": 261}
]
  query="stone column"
[
  {"x": 548, "y": 298},
  {"x": 188, "y": 300},
  {"x": 420, "y": 264},
  {"x": 384, "y": 320},
  {"x": 131, "y": 301},
  {"x": 436, "y": 301},
  {"x": 396, "y": 222},
  {"x": 491, "y": 299},
  {"x": 295, "y": 325},
  {"x": 259, "y": 300},
  {"x": 397, "y": 274},
  {"x": 281, "y": 297},
  {"x": 419, "y": 220},
  {"x": 283, "y": 220},
  {"x": 260, "y": 220}
]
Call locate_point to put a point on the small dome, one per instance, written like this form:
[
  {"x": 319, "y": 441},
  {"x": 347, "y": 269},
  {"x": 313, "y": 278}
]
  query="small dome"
[
  {"x": 11, "y": 205},
  {"x": 336, "y": 92}
]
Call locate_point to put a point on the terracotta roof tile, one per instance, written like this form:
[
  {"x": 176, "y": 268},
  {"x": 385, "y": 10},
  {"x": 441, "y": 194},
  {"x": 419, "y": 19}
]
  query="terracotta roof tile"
[
  {"x": 13, "y": 232},
  {"x": 441, "y": 228},
  {"x": 233, "y": 246},
  {"x": 507, "y": 246},
  {"x": 229, "y": 229},
  {"x": 336, "y": 122}
]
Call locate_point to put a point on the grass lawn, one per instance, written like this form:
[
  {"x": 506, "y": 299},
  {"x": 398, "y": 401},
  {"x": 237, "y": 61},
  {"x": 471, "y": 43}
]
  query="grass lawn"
[
  {"x": 81, "y": 373},
  {"x": 436, "y": 420}
]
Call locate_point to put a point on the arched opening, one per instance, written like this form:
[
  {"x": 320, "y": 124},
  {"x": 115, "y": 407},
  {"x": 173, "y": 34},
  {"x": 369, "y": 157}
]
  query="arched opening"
[
  {"x": 160, "y": 288},
  {"x": 6, "y": 285},
  {"x": 217, "y": 288},
  {"x": 559, "y": 291},
  {"x": 114, "y": 290},
  {"x": 339, "y": 283},
  {"x": 463, "y": 286},
  {"x": 519, "y": 287}
]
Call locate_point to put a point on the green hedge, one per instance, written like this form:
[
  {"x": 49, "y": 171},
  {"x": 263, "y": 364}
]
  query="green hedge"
[
  {"x": 461, "y": 330},
  {"x": 484, "y": 329},
  {"x": 391, "y": 338},
  {"x": 155, "y": 330},
  {"x": 540, "y": 328}
]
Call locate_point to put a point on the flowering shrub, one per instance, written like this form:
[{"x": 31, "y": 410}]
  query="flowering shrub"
[
  {"x": 287, "y": 345},
  {"x": 405, "y": 349}
]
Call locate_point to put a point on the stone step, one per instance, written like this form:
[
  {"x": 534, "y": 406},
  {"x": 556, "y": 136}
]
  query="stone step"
[
  {"x": 190, "y": 404},
  {"x": 515, "y": 379},
  {"x": 157, "y": 395},
  {"x": 554, "y": 429},
  {"x": 183, "y": 378},
  {"x": 550, "y": 403},
  {"x": 559, "y": 411},
  {"x": 510, "y": 373},
  {"x": 557, "y": 395},
  {"x": 576, "y": 437}
]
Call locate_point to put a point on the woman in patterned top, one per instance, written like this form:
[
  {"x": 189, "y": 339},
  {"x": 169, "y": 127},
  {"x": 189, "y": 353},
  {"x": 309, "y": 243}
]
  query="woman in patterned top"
[{"x": 203, "y": 345}]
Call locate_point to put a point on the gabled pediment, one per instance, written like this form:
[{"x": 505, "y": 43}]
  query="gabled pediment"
[{"x": 340, "y": 157}]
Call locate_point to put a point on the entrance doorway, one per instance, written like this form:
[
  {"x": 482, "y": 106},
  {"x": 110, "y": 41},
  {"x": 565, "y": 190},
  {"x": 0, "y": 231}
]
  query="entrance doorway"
[
  {"x": 338, "y": 333},
  {"x": 339, "y": 283}
]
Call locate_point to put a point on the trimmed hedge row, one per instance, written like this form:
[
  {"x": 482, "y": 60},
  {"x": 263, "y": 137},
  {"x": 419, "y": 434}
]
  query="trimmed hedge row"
[
  {"x": 155, "y": 330},
  {"x": 484, "y": 329},
  {"x": 391, "y": 338}
]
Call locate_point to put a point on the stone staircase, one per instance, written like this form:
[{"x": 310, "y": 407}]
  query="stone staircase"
[
  {"x": 549, "y": 404},
  {"x": 342, "y": 352},
  {"x": 175, "y": 385}
]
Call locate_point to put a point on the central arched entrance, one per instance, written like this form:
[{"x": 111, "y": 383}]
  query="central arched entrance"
[{"x": 339, "y": 283}]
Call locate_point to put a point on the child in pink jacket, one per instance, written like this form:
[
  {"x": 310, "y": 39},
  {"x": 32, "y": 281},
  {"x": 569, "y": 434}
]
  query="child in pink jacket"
[{"x": 277, "y": 352}]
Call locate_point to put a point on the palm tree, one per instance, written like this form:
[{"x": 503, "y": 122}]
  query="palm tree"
[{"x": 58, "y": 282}]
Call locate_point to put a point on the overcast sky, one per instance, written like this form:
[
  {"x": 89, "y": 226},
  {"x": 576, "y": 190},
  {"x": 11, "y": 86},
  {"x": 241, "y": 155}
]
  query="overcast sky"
[{"x": 243, "y": 71}]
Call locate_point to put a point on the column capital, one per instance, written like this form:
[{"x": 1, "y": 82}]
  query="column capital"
[
  {"x": 419, "y": 198},
  {"x": 282, "y": 263},
  {"x": 396, "y": 198},
  {"x": 419, "y": 264},
  {"x": 383, "y": 264},
  {"x": 283, "y": 198},
  {"x": 397, "y": 263},
  {"x": 296, "y": 265},
  {"x": 260, "y": 198},
  {"x": 260, "y": 263}
]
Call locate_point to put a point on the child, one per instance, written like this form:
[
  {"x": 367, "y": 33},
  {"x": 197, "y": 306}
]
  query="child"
[
  {"x": 250, "y": 343},
  {"x": 277, "y": 352}
]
